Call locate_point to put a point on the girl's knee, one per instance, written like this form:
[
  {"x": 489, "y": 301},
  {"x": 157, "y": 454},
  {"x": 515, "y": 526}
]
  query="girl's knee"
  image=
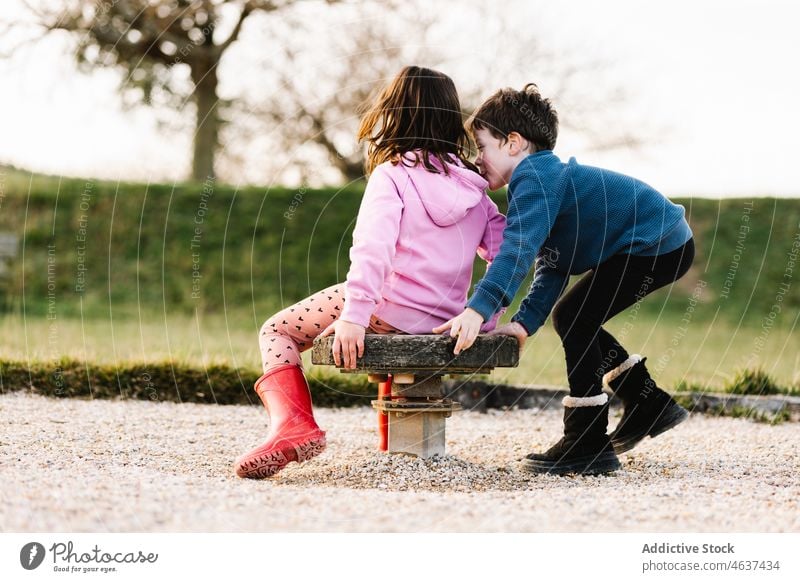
[
  {"x": 275, "y": 324},
  {"x": 291, "y": 327}
]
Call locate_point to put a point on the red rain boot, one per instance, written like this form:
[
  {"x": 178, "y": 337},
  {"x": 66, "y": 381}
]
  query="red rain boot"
[{"x": 293, "y": 432}]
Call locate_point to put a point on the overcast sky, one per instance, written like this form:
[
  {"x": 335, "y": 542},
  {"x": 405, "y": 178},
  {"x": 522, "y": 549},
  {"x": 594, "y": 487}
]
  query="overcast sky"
[{"x": 717, "y": 83}]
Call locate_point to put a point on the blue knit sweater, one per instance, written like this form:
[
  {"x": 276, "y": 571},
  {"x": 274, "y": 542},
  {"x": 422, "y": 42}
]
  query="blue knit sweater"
[{"x": 570, "y": 218}]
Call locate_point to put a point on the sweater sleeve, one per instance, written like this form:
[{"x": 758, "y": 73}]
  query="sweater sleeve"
[
  {"x": 493, "y": 235},
  {"x": 532, "y": 212},
  {"x": 374, "y": 244},
  {"x": 488, "y": 249},
  {"x": 547, "y": 286}
]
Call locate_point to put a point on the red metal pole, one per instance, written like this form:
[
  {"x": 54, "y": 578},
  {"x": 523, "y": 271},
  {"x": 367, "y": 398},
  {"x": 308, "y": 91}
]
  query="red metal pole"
[{"x": 384, "y": 393}]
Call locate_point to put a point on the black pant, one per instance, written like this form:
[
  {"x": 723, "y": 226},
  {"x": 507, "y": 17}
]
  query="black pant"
[{"x": 600, "y": 295}]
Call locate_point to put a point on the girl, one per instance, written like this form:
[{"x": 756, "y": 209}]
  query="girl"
[{"x": 424, "y": 215}]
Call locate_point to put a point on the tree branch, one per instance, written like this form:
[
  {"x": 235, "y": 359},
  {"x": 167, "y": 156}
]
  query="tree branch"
[
  {"x": 33, "y": 9},
  {"x": 13, "y": 50},
  {"x": 234, "y": 35}
]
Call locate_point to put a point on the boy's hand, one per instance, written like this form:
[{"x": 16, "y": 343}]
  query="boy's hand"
[
  {"x": 466, "y": 326},
  {"x": 349, "y": 338},
  {"x": 514, "y": 329}
]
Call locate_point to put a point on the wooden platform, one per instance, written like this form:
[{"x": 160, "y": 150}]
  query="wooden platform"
[{"x": 395, "y": 354}]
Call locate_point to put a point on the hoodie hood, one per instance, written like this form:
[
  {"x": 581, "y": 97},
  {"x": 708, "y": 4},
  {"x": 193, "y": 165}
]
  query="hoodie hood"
[{"x": 447, "y": 197}]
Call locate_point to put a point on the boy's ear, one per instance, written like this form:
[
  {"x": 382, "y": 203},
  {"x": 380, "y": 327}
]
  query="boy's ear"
[{"x": 517, "y": 143}]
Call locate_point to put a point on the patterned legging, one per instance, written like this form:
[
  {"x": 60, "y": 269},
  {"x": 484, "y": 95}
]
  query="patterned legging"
[{"x": 288, "y": 333}]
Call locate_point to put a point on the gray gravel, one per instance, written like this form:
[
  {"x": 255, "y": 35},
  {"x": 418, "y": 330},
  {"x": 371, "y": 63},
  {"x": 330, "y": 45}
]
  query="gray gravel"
[{"x": 75, "y": 465}]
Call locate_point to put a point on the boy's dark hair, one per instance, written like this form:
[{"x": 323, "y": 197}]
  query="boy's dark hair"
[{"x": 526, "y": 112}]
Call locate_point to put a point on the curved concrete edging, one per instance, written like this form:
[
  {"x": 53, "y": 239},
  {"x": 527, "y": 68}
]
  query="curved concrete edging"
[{"x": 480, "y": 396}]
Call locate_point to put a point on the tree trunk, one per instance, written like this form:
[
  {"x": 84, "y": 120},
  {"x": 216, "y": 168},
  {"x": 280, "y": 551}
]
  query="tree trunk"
[{"x": 206, "y": 134}]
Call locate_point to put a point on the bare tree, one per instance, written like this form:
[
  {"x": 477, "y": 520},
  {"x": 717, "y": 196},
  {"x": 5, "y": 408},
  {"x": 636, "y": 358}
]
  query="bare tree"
[
  {"x": 149, "y": 41},
  {"x": 313, "y": 88},
  {"x": 305, "y": 120}
]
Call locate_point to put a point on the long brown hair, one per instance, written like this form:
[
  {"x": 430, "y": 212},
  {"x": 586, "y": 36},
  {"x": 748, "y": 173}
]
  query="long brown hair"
[{"x": 418, "y": 109}]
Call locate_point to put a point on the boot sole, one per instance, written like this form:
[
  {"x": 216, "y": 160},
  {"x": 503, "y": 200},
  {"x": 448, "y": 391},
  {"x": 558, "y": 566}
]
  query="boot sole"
[
  {"x": 265, "y": 465},
  {"x": 588, "y": 465},
  {"x": 671, "y": 418}
]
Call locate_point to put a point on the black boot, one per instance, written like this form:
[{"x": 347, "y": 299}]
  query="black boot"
[
  {"x": 585, "y": 447},
  {"x": 649, "y": 411}
]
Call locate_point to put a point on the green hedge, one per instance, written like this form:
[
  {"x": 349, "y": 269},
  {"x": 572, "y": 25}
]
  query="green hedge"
[
  {"x": 167, "y": 382},
  {"x": 218, "y": 384},
  {"x": 748, "y": 382}
]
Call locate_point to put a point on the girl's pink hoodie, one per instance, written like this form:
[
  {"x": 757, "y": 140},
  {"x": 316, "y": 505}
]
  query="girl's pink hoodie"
[{"x": 414, "y": 245}]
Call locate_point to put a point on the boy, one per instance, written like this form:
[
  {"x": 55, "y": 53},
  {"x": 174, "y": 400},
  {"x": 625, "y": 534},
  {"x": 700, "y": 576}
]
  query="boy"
[{"x": 571, "y": 219}]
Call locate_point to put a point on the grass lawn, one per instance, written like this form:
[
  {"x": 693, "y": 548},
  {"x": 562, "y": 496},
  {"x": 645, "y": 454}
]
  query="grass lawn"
[{"x": 708, "y": 352}]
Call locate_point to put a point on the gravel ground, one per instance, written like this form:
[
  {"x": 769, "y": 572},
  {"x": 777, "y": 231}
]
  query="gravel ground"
[{"x": 76, "y": 465}]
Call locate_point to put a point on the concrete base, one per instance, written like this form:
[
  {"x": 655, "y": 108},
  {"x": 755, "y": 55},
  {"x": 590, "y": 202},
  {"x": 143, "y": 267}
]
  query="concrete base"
[
  {"x": 418, "y": 433},
  {"x": 417, "y": 413}
]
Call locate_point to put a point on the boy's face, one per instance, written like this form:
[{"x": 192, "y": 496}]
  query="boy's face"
[{"x": 494, "y": 160}]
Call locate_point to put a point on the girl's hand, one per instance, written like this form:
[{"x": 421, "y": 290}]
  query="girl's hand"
[
  {"x": 349, "y": 338},
  {"x": 466, "y": 326},
  {"x": 513, "y": 329}
]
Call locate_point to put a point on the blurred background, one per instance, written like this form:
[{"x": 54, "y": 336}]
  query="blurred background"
[{"x": 174, "y": 171}]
